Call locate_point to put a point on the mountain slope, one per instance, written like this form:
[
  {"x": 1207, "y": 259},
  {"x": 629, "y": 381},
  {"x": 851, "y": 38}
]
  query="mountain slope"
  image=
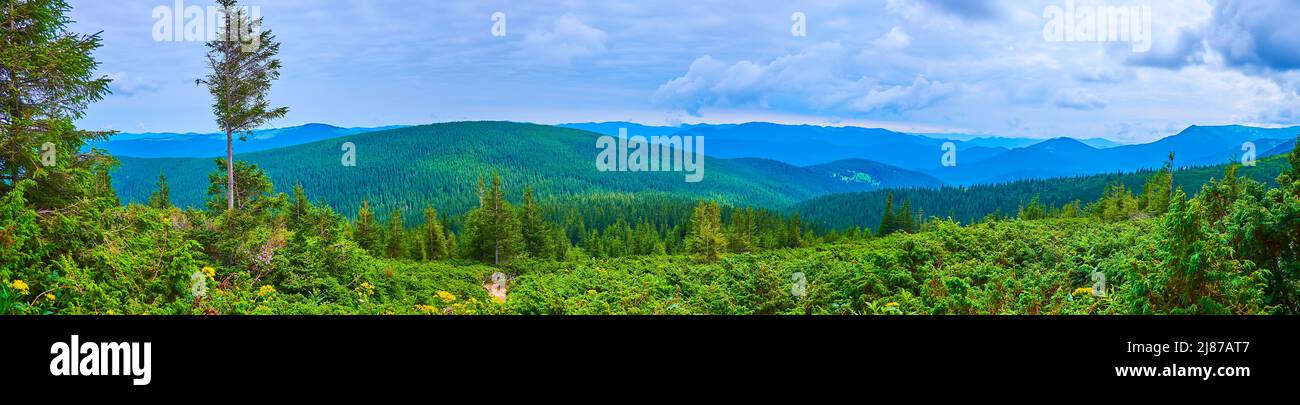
[
  {"x": 1195, "y": 146},
  {"x": 440, "y": 164},
  {"x": 876, "y": 174},
  {"x": 971, "y": 203},
  {"x": 169, "y": 145}
]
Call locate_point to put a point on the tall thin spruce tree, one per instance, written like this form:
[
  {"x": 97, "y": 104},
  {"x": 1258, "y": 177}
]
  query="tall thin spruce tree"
[{"x": 243, "y": 64}]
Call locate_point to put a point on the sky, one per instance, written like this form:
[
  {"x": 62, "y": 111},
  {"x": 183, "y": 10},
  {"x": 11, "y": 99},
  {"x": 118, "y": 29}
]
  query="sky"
[{"x": 931, "y": 66}]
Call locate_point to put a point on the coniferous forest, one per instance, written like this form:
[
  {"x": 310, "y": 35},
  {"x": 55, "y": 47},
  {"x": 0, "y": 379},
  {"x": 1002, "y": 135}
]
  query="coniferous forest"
[{"x": 268, "y": 233}]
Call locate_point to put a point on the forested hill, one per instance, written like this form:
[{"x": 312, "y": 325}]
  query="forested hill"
[
  {"x": 971, "y": 203},
  {"x": 441, "y": 163}
]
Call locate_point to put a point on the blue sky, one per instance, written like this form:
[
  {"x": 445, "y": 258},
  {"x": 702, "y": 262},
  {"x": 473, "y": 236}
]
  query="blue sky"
[{"x": 969, "y": 66}]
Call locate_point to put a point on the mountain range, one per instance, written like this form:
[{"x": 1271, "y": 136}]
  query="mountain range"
[
  {"x": 979, "y": 160},
  {"x": 439, "y": 164},
  {"x": 759, "y": 164},
  {"x": 164, "y": 145}
]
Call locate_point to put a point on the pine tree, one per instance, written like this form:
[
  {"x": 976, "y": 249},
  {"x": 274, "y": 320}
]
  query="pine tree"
[
  {"x": 795, "y": 238},
  {"x": 706, "y": 241},
  {"x": 492, "y": 229},
  {"x": 242, "y": 69},
  {"x": 47, "y": 80},
  {"x": 1157, "y": 189},
  {"x": 396, "y": 236},
  {"x": 906, "y": 222},
  {"x": 301, "y": 206},
  {"x": 743, "y": 229},
  {"x": 161, "y": 198},
  {"x": 532, "y": 227},
  {"x": 435, "y": 238},
  {"x": 888, "y": 224},
  {"x": 366, "y": 231}
]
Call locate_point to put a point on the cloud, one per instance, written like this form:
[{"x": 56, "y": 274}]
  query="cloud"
[
  {"x": 1078, "y": 99},
  {"x": 809, "y": 78},
  {"x": 894, "y": 40},
  {"x": 567, "y": 39},
  {"x": 820, "y": 79},
  {"x": 920, "y": 94},
  {"x": 125, "y": 84},
  {"x": 1255, "y": 36},
  {"x": 925, "y": 10}
]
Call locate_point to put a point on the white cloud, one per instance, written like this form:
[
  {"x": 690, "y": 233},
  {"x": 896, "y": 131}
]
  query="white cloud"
[
  {"x": 945, "y": 12},
  {"x": 920, "y": 94},
  {"x": 1079, "y": 99},
  {"x": 822, "y": 78},
  {"x": 567, "y": 39},
  {"x": 808, "y": 78},
  {"x": 894, "y": 40},
  {"x": 126, "y": 84}
]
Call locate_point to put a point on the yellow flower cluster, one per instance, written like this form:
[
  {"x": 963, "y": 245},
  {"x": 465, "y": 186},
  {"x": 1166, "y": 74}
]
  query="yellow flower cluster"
[
  {"x": 49, "y": 296},
  {"x": 426, "y": 309},
  {"x": 210, "y": 272},
  {"x": 446, "y": 297},
  {"x": 20, "y": 286},
  {"x": 891, "y": 305},
  {"x": 265, "y": 291},
  {"x": 1082, "y": 291},
  {"x": 364, "y": 291}
]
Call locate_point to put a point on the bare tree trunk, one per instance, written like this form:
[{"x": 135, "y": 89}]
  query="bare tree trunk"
[{"x": 230, "y": 172}]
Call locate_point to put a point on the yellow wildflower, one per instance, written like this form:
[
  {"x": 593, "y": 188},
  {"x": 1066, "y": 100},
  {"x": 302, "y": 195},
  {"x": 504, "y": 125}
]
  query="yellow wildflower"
[
  {"x": 426, "y": 309},
  {"x": 1082, "y": 291},
  {"x": 49, "y": 296},
  {"x": 20, "y": 286},
  {"x": 265, "y": 291},
  {"x": 593, "y": 292},
  {"x": 891, "y": 305},
  {"x": 446, "y": 297},
  {"x": 210, "y": 272}
]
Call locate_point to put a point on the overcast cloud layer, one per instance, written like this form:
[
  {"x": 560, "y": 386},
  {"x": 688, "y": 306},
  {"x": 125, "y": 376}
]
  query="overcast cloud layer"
[{"x": 914, "y": 65}]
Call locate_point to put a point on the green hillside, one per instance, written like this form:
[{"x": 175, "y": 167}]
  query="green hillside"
[
  {"x": 971, "y": 203},
  {"x": 440, "y": 164}
]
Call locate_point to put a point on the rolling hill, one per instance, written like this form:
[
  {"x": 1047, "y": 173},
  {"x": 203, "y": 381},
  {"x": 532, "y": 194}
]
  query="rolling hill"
[
  {"x": 971, "y": 203},
  {"x": 1196, "y": 146},
  {"x": 440, "y": 164},
  {"x": 172, "y": 145}
]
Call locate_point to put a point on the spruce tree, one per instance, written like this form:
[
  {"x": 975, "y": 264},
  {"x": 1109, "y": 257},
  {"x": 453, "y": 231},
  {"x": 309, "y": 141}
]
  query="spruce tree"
[
  {"x": 435, "y": 238},
  {"x": 532, "y": 227},
  {"x": 706, "y": 241},
  {"x": 243, "y": 64},
  {"x": 47, "y": 80},
  {"x": 366, "y": 231},
  {"x": 161, "y": 198},
  {"x": 396, "y": 236},
  {"x": 492, "y": 229},
  {"x": 888, "y": 224}
]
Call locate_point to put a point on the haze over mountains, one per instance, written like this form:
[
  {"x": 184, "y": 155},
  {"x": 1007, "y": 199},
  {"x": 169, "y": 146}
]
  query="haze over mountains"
[
  {"x": 162, "y": 145},
  {"x": 979, "y": 160},
  {"x": 440, "y": 164},
  {"x": 758, "y": 163}
]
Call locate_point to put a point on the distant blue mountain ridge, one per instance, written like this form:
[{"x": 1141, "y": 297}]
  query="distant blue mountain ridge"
[
  {"x": 980, "y": 159},
  {"x": 174, "y": 145}
]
